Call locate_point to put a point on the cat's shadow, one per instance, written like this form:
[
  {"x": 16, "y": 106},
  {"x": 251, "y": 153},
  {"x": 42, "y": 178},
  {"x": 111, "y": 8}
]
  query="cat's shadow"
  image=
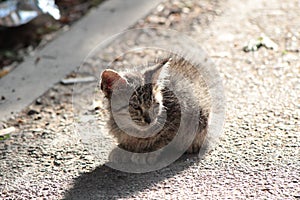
[{"x": 108, "y": 183}]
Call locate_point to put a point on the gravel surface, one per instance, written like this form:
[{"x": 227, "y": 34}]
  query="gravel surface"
[{"x": 257, "y": 157}]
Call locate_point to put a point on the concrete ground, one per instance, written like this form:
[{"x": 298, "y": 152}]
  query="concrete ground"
[{"x": 257, "y": 156}]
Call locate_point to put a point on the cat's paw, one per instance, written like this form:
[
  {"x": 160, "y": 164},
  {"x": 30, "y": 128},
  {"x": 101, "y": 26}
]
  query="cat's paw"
[
  {"x": 145, "y": 158},
  {"x": 118, "y": 155}
]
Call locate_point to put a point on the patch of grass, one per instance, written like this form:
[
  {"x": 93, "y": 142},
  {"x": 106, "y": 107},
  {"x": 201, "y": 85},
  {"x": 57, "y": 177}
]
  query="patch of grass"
[
  {"x": 284, "y": 52},
  {"x": 4, "y": 137}
]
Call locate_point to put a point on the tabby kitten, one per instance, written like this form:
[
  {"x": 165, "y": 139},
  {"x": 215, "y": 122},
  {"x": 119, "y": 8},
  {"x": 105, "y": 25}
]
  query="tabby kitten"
[{"x": 147, "y": 106}]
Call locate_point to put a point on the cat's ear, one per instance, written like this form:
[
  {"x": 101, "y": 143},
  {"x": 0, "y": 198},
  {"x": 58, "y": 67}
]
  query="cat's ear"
[
  {"x": 109, "y": 80},
  {"x": 157, "y": 74}
]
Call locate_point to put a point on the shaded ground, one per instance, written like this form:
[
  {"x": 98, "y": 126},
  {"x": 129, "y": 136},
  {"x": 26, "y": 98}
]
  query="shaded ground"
[{"x": 258, "y": 155}]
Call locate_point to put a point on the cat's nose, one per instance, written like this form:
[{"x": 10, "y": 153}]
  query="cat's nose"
[{"x": 147, "y": 118}]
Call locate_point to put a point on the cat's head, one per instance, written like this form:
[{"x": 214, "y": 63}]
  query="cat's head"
[{"x": 146, "y": 99}]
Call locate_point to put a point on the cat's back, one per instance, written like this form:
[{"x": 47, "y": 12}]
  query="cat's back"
[{"x": 187, "y": 80}]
